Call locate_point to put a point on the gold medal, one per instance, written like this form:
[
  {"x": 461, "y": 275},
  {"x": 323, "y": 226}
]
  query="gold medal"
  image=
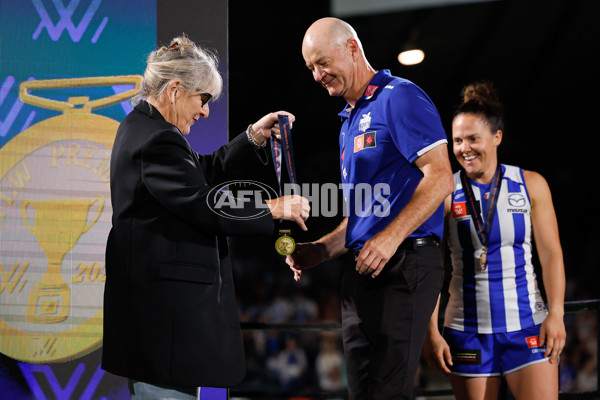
[
  {"x": 483, "y": 257},
  {"x": 285, "y": 245},
  {"x": 480, "y": 259}
]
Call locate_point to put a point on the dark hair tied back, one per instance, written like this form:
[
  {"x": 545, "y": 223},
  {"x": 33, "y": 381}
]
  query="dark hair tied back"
[{"x": 481, "y": 98}]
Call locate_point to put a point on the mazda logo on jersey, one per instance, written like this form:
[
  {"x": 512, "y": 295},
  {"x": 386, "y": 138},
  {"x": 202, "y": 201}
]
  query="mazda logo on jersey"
[{"x": 516, "y": 200}]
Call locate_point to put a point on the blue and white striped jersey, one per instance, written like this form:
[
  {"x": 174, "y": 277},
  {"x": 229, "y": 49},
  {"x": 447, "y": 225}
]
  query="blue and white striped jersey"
[{"x": 504, "y": 297}]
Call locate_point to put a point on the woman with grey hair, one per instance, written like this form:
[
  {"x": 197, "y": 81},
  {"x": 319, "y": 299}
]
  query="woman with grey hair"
[{"x": 170, "y": 313}]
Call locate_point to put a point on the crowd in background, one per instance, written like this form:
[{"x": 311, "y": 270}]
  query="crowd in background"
[{"x": 309, "y": 361}]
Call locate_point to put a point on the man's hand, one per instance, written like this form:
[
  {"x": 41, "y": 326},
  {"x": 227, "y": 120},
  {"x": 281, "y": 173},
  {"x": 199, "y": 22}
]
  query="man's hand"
[
  {"x": 376, "y": 252},
  {"x": 306, "y": 255}
]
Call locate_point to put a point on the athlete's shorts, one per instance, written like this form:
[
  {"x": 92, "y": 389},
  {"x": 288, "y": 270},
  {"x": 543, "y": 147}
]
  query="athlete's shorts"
[{"x": 493, "y": 354}]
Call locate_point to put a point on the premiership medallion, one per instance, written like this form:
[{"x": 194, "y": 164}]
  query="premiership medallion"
[
  {"x": 55, "y": 215},
  {"x": 285, "y": 245},
  {"x": 480, "y": 256}
]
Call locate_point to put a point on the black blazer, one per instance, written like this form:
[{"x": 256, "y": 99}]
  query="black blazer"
[{"x": 170, "y": 313}]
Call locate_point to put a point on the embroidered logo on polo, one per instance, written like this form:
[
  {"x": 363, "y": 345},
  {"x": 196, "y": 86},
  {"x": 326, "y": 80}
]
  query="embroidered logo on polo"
[
  {"x": 365, "y": 122},
  {"x": 364, "y": 141},
  {"x": 370, "y": 90},
  {"x": 466, "y": 357}
]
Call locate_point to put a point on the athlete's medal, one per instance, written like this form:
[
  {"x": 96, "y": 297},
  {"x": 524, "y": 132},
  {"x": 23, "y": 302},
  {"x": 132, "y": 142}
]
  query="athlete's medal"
[
  {"x": 483, "y": 256},
  {"x": 482, "y": 227},
  {"x": 480, "y": 258},
  {"x": 285, "y": 244}
]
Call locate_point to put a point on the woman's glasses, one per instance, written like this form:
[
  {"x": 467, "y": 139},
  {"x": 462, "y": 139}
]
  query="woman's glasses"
[{"x": 204, "y": 97}]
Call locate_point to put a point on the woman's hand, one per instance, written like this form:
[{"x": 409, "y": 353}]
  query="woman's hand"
[
  {"x": 261, "y": 130},
  {"x": 437, "y": 352},
  {"x": 291, "y": 208},
  {"x": 553, "y": 335}
]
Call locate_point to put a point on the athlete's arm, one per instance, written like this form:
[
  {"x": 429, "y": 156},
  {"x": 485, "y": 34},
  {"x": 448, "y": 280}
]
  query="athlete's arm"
[
  {"x": 436, "y": 350},
  {"x": 436, "y": 184},
  {"x": 547, "y": 242}
]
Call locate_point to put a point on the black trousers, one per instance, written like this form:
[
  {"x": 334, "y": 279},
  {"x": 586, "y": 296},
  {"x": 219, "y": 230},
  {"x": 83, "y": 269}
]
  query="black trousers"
[{"x": 384, "y": 322}]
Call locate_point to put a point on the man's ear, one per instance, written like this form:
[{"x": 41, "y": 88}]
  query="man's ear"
[{"x": 353, "y": 47}]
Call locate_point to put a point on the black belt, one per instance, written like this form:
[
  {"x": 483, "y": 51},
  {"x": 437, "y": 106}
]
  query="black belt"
[{"x": 412, "y": 243}]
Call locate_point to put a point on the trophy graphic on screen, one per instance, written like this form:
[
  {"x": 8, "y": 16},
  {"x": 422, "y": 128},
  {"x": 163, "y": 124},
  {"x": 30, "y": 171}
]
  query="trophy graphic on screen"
[
  {"x": 55, "y": 216},
  {"x": 58, "y": 226}
]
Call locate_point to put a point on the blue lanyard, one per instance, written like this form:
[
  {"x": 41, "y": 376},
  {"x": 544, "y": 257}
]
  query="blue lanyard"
[
  {"x": 284, "y": 149},
  {"x": 483, "y": 227}
]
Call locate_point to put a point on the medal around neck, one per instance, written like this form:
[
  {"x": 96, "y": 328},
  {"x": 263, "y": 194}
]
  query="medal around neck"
[
  {"x": 480, "y": 256},
  {"x": 482, "y": 226},
  {"x": 285, "y": 244}
]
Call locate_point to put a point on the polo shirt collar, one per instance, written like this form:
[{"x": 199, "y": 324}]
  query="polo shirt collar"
[{"x": 375, "y": 85}]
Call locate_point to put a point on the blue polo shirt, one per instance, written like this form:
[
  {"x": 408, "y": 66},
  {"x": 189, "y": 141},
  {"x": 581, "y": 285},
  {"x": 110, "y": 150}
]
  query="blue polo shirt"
[{"x": 391, "y": 125}]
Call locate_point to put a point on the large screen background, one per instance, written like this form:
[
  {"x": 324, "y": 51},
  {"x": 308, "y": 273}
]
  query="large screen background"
[{"x": 67, "y": 68}]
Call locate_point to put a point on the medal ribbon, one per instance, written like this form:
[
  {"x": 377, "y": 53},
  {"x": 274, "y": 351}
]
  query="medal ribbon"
[
  {"x": 482, "y": 227},
  {"x": 285, "y": 245},
  {"x": 284, "y": 149}
]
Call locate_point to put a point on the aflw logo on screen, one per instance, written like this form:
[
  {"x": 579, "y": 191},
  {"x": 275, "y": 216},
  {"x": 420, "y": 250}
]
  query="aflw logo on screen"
[{"x": 65, "y": 13}]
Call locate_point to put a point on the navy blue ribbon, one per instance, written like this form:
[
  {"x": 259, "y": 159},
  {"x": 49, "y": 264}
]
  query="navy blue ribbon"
[
  {"x": 284, "y": 149},
  {"x": 482, "y": 227}
]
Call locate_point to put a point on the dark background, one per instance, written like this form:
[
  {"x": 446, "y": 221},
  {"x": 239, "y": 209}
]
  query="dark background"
[{"x": 541, "y": 55}]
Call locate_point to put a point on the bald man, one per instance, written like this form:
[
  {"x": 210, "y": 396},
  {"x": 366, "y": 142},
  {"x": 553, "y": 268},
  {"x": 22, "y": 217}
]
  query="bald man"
[{"x": 396, "y": 174}]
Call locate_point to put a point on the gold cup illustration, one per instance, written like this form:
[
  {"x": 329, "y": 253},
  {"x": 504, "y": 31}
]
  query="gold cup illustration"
[{"x": 58, "y": 225}]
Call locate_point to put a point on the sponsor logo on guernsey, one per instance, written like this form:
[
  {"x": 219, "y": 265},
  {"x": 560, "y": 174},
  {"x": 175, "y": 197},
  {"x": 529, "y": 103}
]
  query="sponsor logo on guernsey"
[
  {"x": 389, "y": 87},
  {"x": 364, "y": 141},
  {"x": 517, "y": 210},
  {"x": 518, "y": 201},
  {"x": 459, "y": 209}
]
